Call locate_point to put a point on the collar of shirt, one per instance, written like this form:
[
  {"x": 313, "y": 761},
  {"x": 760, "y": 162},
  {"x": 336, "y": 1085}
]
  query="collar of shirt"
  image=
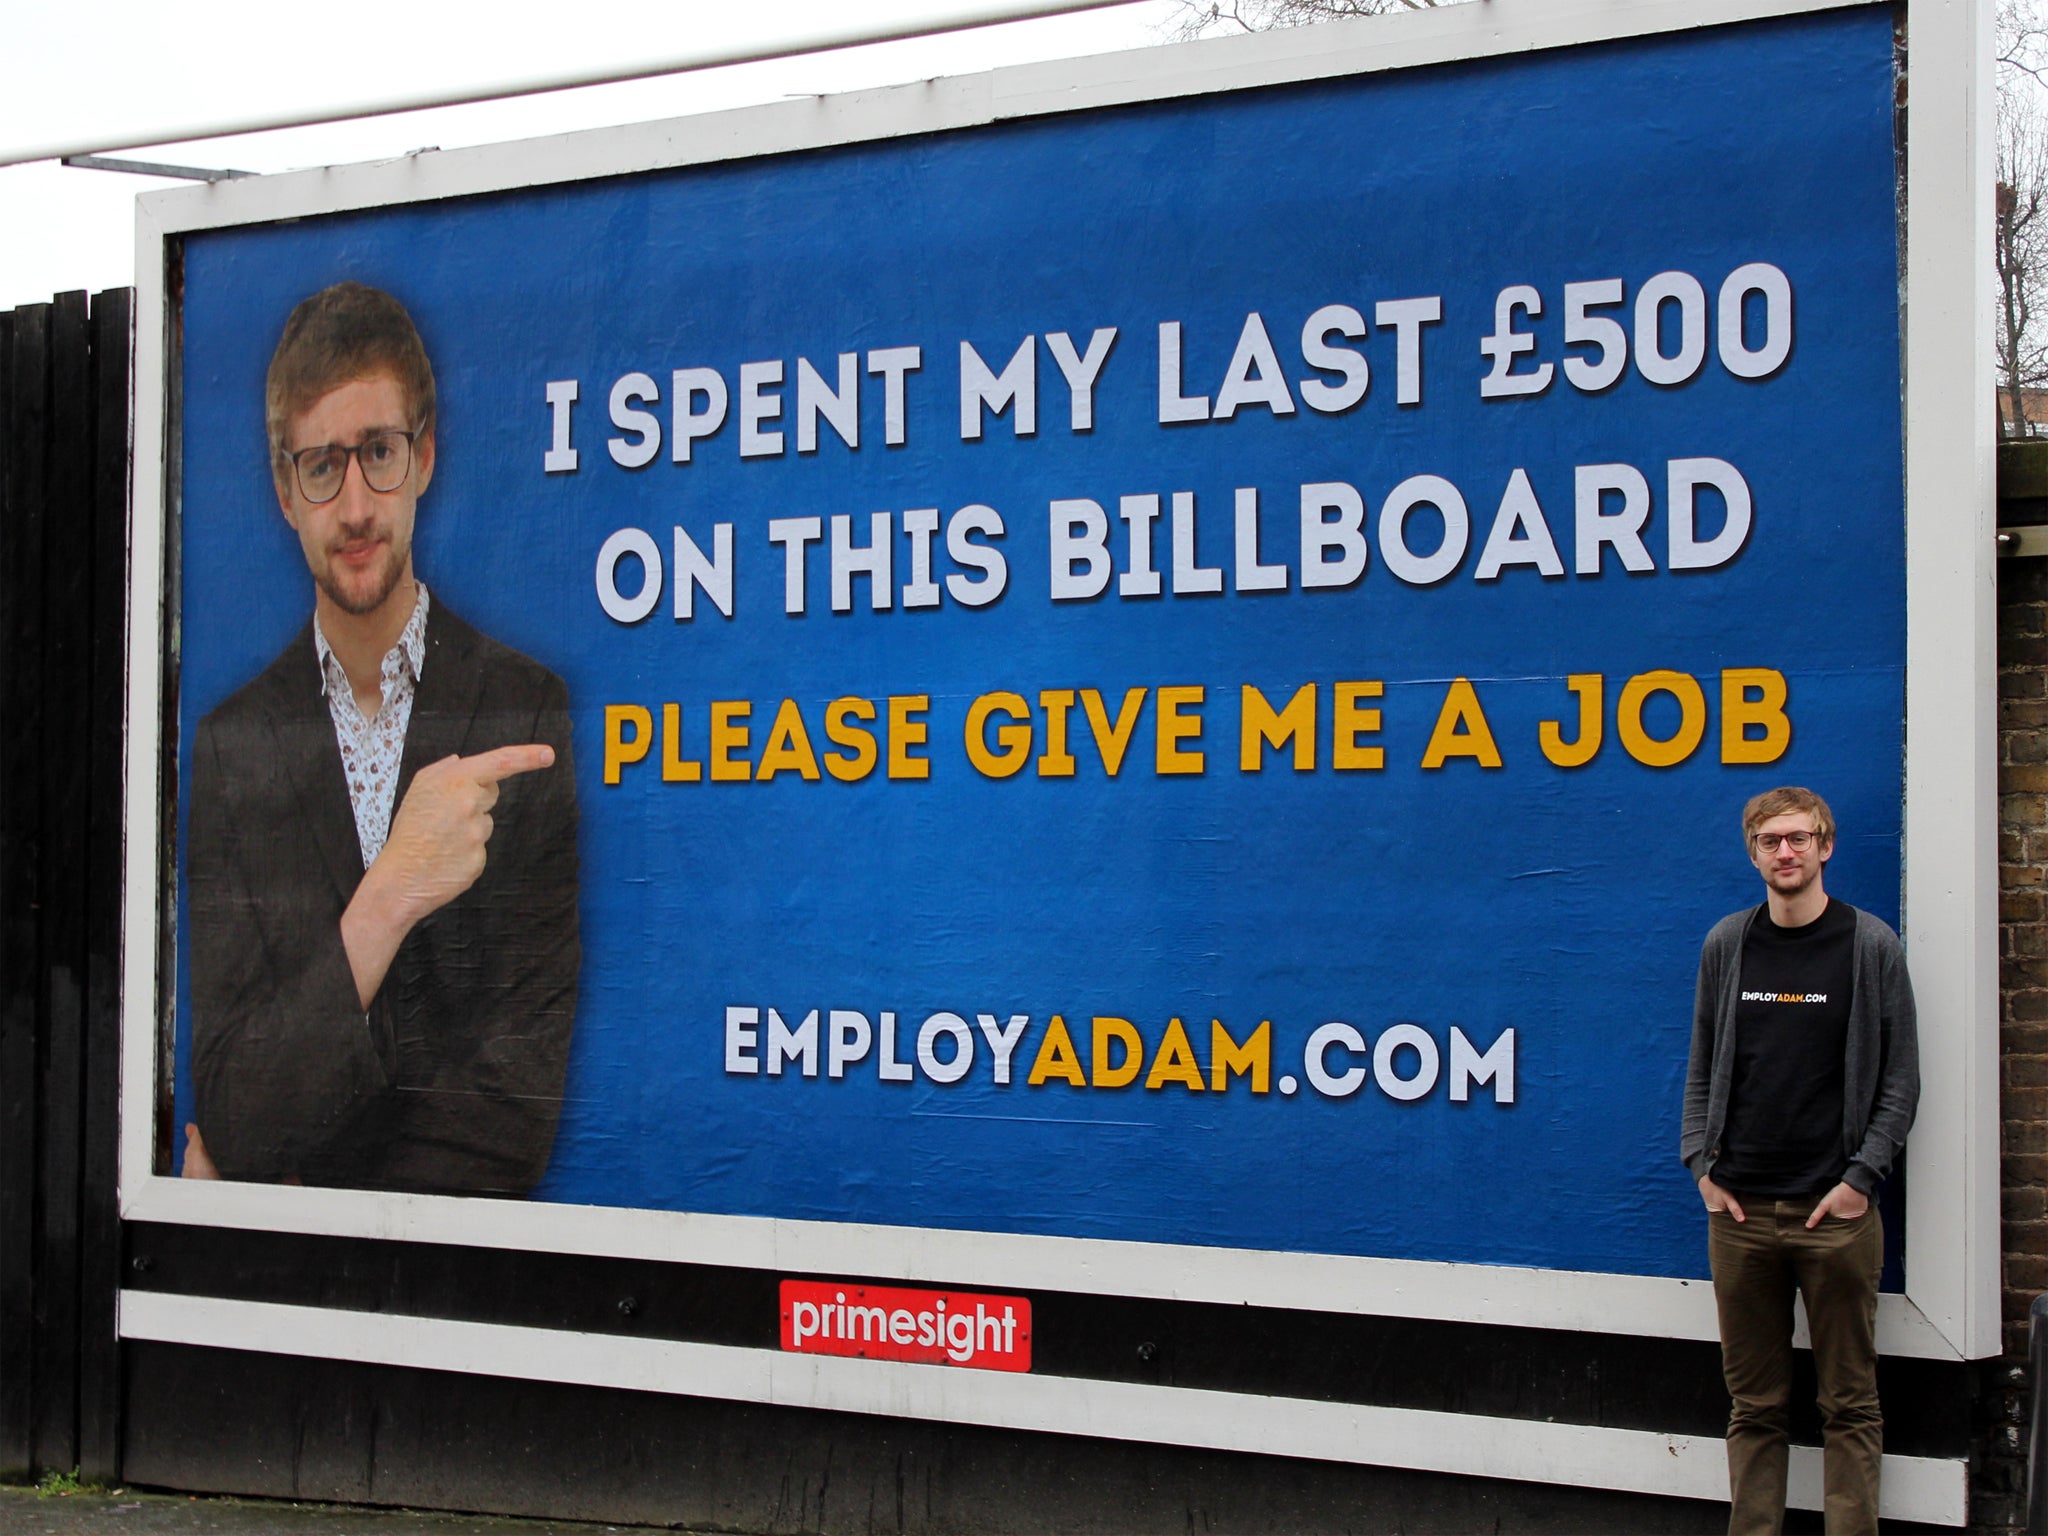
[{"x": 410, "y": 652}]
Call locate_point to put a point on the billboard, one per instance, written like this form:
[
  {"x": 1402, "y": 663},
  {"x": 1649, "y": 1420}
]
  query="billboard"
[{"x": 1167, "y": 684}]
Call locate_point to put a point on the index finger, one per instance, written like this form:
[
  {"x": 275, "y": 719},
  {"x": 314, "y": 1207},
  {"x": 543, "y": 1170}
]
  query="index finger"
[{"x": 503, "y": 762}]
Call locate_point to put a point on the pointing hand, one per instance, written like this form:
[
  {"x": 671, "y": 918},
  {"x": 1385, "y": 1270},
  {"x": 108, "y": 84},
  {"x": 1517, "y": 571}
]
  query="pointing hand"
[
  {"x": 438, "y": 839},
  {"x": 435, "y": 852}
]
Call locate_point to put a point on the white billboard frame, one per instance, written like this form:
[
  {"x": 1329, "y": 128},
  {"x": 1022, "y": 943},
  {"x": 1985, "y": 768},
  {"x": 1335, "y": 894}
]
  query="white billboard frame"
[{"x": 1951, "y": 1307}]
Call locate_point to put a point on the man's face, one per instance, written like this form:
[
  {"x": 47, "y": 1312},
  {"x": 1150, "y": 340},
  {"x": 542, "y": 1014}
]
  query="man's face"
[
  {"x": 1787, "y": 870},
  {"x": 359, "y": 545}
]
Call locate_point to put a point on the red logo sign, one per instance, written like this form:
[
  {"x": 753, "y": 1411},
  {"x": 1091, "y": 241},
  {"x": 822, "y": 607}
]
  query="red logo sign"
[{"x": 874, "y": 1322}]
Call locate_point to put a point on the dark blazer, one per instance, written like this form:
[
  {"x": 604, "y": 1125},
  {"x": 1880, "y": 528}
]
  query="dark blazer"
[{"x": 453, "y": 1080}]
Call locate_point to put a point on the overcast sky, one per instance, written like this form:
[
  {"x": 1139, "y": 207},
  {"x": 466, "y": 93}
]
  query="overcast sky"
[{"x": 177, "y": 66}]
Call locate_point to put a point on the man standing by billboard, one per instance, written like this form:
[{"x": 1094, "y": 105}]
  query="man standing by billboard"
[
  {"x": 1800, "y": 1089},
  {"x": 382, "y": 854}
]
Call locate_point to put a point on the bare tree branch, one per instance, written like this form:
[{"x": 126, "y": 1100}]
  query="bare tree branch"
[
  {"x": 2020, "y": 214},
  {"x": 2022, "y": 39},
  {"x": 2020, "y": 250},
  {"x": 1199, "y": 18}
]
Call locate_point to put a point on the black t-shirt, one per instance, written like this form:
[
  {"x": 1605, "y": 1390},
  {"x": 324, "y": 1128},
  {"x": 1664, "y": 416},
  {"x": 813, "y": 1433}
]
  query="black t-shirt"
[{"x": 1784, "y": 1131}]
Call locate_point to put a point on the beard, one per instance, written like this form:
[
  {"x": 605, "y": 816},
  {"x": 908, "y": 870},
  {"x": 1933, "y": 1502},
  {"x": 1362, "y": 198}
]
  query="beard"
[
  {"x": 373, "y": 586},
  {"x": 1793, "y": 881}
]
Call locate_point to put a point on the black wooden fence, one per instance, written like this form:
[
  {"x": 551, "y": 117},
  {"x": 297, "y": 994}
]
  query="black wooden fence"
[{"x": 64, "y": 439}]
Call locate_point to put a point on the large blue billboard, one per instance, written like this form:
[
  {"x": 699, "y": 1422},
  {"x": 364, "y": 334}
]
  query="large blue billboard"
[{"x": 1182, "y": 673}]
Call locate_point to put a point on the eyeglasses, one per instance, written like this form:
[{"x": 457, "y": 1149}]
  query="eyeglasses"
[
  {"x": 385, "y": 458},
  {"x": 1798, "y": 842}
]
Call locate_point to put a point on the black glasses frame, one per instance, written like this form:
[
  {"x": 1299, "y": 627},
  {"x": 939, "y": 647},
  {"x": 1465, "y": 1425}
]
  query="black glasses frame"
[
  {"x": 304, "y": 456},
  {"x": 1784, "y": 837}
]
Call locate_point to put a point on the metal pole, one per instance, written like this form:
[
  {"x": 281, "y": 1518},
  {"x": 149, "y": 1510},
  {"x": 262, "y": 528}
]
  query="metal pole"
[
  {"x": 2037, "y": 1442},
  {"x": 154, "y": 168},
  {"x": 988, "y": 14}
]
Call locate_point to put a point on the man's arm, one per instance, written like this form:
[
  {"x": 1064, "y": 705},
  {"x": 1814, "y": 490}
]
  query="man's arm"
[
  {"x": 435, "y": 852},
  {"x": 500, "y": 1011},
  {"x": 1699, "y": 1076},
  {"x": 284, "y": 1061},
  {"x": 1898, "y": 1075},
  {"x": 1699, "y": 1064}
]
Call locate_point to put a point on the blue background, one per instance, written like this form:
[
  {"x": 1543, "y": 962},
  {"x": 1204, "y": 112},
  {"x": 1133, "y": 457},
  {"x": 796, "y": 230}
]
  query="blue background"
[{"x": 1566, "y": 904}]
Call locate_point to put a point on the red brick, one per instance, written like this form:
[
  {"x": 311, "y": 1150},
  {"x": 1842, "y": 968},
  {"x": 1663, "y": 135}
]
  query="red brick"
[
  {"x": 2024, "y": 1007},
  {"x": 2015, "y": 684},
  {"x": 2022, "y": 714},
  {"x": 2024, "y": 1038},
  {"x": 2026, "y": 1272},
  {"x": 2024, "y": 1072},
  {"x": 2025, "y": 1004},
  {"x": 2026, "y": 1168},
  {"x": 2017, "y": 975},
  {"x": 2030, "y": 1204},
  {"x": 2022, "y": 747},
  {"x": 2021, "y": 907},
  {"x": 2025, "y": 1102},
  {"x": 2023, "y": 651},
  {"x": 2021, "y": 1138},
  {"x": 2019, "y": 612},
  {"x": 2022, "y": 810}
]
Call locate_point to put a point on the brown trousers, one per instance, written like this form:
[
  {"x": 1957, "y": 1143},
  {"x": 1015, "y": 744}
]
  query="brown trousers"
[{"x": 1757, "y": 1264}]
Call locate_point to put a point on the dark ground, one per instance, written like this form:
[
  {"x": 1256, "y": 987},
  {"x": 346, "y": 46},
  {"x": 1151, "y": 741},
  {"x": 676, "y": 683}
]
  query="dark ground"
[{"x": 129, "y": 1512}]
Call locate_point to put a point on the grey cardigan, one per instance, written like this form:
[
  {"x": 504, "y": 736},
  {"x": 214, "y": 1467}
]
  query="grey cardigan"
[{"x": 1881, "y": 1066}]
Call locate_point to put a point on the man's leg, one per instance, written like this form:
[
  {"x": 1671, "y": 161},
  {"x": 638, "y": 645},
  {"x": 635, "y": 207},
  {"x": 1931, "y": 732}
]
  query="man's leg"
[
  {"x": 1837, "y": 1265},
  {"x": 1753, "y": 1292}
]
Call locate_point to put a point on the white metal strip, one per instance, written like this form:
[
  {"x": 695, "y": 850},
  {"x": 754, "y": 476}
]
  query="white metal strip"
[
  {"x": 1951, "y": 879},
  {"x": 148, "y": 725},
  {"x": 1325, "y": 51},
  {"x": 1575, "y": 1300},
  {"x": 988, "y": 14},
  {"x": 1524, "y": 1450}
]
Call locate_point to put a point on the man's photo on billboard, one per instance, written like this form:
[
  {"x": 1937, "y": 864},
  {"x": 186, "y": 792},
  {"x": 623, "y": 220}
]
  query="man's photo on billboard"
[{"x": 381, "y": 858}]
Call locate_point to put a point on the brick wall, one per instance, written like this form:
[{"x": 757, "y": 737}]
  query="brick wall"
[
  {"x": 1999, "y": 1473},
  {"x": 2023, "y": 935}
]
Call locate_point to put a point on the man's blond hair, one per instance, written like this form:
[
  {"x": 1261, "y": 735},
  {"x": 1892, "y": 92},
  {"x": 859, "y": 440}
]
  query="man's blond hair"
[
  {"x": 1786, "y": 801},
  {"x": 340, "y": 334}
]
